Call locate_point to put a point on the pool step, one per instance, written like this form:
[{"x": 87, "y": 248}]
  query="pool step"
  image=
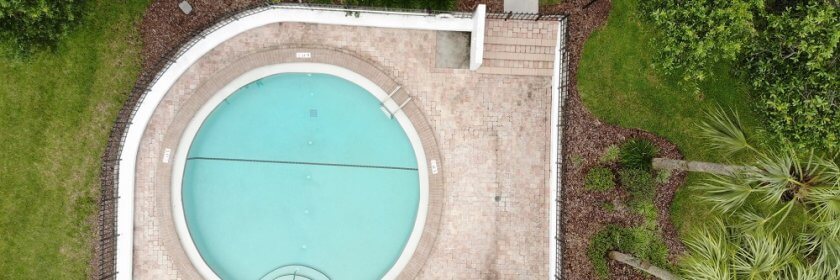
[{"x": 297, "y": 272}]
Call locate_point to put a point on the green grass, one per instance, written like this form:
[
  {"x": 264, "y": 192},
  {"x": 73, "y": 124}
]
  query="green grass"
[
  {"x": 57, "y": 109},
  {"x": 619, "y": 84}
]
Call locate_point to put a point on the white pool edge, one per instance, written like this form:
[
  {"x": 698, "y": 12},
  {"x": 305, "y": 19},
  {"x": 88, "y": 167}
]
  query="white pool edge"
[
  {"x": 189, "y": 133},
  {"x": 140, "y": 120}
]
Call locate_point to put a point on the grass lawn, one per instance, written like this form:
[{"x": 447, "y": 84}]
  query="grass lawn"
[
  {"x": 618, "y": 83},
  {"x": 57, "y": 110}
]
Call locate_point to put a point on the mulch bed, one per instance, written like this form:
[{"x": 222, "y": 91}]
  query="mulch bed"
[
  {"x": 585, "y": 137},
  {"x": 165, "y": 28}
]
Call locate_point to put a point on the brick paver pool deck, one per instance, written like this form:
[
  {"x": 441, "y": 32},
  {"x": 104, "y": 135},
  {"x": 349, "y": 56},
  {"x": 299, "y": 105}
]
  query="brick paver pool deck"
[{"x": 491, "y": 132}]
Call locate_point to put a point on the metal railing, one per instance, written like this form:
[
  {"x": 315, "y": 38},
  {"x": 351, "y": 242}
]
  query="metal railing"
[
  {"x": 105, "y": 255},
  {"x": 525, "y": 16},
  {"x": 563, "y": 92}
]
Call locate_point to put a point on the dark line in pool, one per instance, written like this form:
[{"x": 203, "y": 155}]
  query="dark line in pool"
[{"x": 302, "y": 163}]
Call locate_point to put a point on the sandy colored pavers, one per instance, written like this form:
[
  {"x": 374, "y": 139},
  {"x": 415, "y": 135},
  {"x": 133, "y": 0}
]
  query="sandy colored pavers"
[{"x": 491, "y": 130}]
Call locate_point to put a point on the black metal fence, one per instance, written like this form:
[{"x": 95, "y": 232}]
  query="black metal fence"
[
  {"x": 105, "y": 255},
  {"x": 525, "y": 16},
  {"x": 563, "y": 91}
]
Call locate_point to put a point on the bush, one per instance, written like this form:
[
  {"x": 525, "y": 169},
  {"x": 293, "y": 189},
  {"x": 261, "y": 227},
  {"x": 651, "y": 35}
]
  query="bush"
[
  {"x": 637, "y": 154},
  {"x": 599, "y": 179},
  {"x": 610, "y": 154},
  {"x": 700, "y": 33},
  {"x": 639, "y": 242},
  {"x": 793, "y": 69},
  {"x": 663, "y": 176},
  {"x": 33, "y": 24},
  {"x": 639, "y": 183}
]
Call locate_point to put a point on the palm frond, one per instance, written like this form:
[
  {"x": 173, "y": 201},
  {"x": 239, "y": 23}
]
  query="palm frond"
[
  {"x": 826, "y": 251},
  {"x": 726, "y": 193},
  {"x": 709, "y": 253},
  {"x": 724, "y": 133},
  {"x": 751, "y": 220},
  {"x": 773, "y": 176},
  {"x": 824, "y": 203},
  {"x": 763, "y": 256},
  {"x": 832, "y": 170}
]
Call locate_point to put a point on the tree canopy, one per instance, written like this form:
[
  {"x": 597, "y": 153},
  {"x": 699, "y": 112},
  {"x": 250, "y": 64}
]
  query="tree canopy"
[
  {"x": 787, "y": 52},
  {"x": 29, "y": 24}
]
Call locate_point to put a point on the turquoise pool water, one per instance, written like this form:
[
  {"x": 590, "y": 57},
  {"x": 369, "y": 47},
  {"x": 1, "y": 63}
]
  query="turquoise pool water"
[{"x": 300, "y": 169}]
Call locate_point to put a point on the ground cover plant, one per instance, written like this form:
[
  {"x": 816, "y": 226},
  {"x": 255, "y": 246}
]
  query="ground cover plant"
[
  {"x": 57, "y": 109},
  {"x": 640, "y": 242},
  {"x": 600, "y": 178},
  {"x": 637, "y": 154}
]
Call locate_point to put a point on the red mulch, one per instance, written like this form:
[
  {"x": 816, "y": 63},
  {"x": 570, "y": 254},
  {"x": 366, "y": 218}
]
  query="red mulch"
[
  {"x": 585, "y": 137},
  {"x": 165, "y": 28}
]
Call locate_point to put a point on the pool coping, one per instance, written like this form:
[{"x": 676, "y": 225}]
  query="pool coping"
[{"x": 187, "y": 259}]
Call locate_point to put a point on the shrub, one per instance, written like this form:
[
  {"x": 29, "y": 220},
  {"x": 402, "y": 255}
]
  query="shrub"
[
  {"x": 637, "y": 154},
  {"x": 608, "y": 206},
  {"x": 793, "y": 69},
  {"x": 699, "y": 33},
  {"x": 33, "y": 24},
  {"x": 638, "y": 182},
  {"x": 639, "y": 242},
  {"x": 663, "y": 176},
  {"x": 610, "y": 154},
  {"x": 599, "y": 179}
]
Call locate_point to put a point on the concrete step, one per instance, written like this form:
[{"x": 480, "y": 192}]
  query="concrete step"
[
  {"x": 518, "y": 56},
  {"x": 518, "y": 63},
  {"x": 519, "y": 41},
  {"x": 515, "y": 71},
  {"x": 518, "y": 49}
]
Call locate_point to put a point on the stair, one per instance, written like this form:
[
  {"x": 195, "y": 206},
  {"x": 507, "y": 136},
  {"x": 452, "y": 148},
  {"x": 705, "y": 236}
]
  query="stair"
[{"x": 518, "y": 47}]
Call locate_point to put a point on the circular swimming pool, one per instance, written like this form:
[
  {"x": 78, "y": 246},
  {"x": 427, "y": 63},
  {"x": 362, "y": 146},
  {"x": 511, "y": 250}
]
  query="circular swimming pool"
[{"x": 300, "y": 170}]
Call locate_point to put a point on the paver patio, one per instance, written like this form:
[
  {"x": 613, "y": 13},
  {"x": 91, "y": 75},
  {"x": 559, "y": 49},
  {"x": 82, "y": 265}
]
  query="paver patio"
[{"x": 492, "y": 132}]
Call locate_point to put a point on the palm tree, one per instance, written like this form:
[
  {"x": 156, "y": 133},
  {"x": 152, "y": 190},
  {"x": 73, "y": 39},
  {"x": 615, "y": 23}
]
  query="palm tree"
[{"x": 761, "y": 239}]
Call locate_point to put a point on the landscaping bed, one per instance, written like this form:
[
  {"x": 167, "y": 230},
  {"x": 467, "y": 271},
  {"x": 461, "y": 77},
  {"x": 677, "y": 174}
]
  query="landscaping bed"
[{"x": 585, "y": 140}]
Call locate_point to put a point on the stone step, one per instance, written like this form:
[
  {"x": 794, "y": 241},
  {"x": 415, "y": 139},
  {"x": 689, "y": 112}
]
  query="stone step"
[
  {"x": 515, "y": 71},
  {"x": 518, "y": 56},
  {"x": 519, "y": 41},
  {"x": 518, "y": 63}
]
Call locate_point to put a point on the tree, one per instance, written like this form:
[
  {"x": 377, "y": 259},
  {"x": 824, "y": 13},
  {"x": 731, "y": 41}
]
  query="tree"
[
  {"x": 757, "y": 202},
  {"x": 29, "y": 25},
  {"x": 698, "y": 33},
  {"x": 793, "y": 66}
]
